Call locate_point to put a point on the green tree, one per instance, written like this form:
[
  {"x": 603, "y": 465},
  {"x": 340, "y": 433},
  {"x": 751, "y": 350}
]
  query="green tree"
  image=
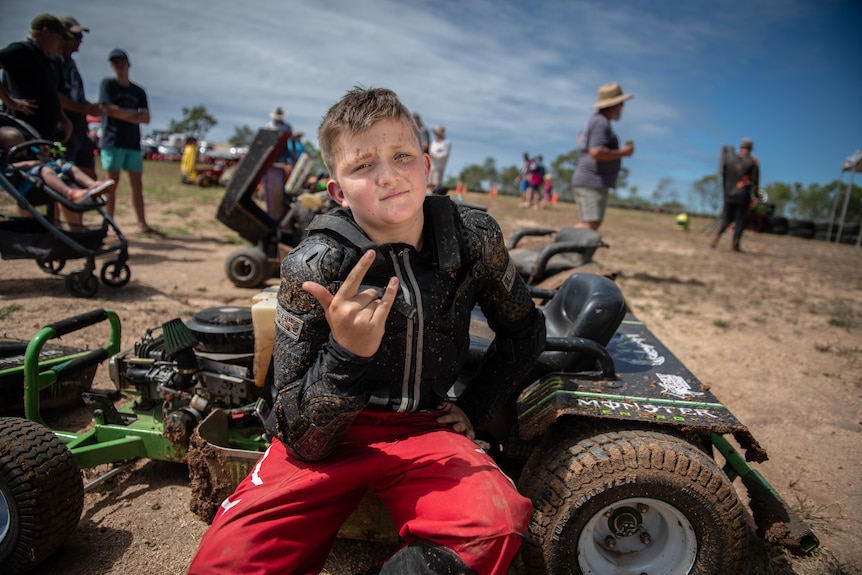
[
  {"x": 708, "y": 190},
  {"x": 562, "y": 169},
  {"x": 780, "y": 194},
  {"x": 472, "y": 176},
  {"x": 196, "y": 122},
  {"x": 507, "y": 176},
  {"x": 242, "y": 136}
]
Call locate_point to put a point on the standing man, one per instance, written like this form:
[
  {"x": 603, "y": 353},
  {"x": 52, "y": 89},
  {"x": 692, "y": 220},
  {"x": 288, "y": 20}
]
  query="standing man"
[
  {"x": 601, "y": 157},
  {"x": 274, "y": 178},
  {"x": 29, "y": 91},
  {"x": 124, "y": 109},
  {"x": 439, "y": 152},
  {"x": 79, "y": 148},
  {"x": 740, "y": 178}
]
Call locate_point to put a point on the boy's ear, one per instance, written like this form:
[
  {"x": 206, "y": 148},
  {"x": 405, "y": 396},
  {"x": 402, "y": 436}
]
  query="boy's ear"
[{"x": 336, "y": 193}]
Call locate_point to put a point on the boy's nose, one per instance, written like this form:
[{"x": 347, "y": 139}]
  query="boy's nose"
[{"x": 386, "y": 174}]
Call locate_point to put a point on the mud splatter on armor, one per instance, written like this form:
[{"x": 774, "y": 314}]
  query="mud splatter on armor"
[{"x": 322, "y": 386}]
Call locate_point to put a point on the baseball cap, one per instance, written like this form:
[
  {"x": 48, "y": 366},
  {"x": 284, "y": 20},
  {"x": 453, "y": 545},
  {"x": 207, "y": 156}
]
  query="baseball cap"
[
  {"x": 72, "y": 25},
  {"x": 117, "y": 53},
  {"x": 48, "y": 21}
]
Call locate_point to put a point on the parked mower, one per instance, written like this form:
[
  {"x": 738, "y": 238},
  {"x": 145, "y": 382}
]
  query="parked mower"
[
  {"x": 571, "y": 249},
  {"x": 269, "y": 234},
  {"x": 204, "y": 177},
  {"x": 611, "y": 436}
]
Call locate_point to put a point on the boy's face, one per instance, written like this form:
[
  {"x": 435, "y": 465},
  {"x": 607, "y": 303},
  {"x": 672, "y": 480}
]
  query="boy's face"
[{"x": 380, "y": 175}]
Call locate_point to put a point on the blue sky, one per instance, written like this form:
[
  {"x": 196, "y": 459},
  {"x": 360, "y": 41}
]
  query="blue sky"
[{"x": 506, "y": 77}]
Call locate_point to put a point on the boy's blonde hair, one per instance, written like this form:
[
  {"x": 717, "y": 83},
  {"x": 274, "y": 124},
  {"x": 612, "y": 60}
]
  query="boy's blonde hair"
[{"x": 357, "y": 111}]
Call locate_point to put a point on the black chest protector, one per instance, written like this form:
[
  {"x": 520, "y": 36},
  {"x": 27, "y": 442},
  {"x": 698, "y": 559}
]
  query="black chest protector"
[{"x": 427, "y": 332}]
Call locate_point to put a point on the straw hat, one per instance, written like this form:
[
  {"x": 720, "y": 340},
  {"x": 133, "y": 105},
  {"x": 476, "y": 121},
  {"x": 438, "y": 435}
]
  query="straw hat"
[{"x": 611, "y": 94}]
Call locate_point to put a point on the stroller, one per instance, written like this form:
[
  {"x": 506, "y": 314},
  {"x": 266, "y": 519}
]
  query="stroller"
[{"x": 35, "y": 234}]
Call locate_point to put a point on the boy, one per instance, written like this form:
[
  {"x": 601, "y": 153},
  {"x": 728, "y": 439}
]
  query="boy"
[
  {"x": 362, "y": 378},
  {"x": 51, "y": 170}
]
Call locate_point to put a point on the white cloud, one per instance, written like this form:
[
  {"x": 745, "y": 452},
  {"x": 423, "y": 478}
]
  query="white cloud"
[{"x": 504, "y": 76}]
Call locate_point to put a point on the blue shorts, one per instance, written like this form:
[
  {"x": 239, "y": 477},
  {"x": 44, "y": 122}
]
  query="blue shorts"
[{"x": 118, "y": 159}]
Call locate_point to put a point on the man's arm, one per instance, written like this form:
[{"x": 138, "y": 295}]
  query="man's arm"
[
  {"x": 88, "y": 108},
  {"x": 603, "y": 154},
  {"x": 16, "y": 104},
  {"x": 130, "y": 115}
]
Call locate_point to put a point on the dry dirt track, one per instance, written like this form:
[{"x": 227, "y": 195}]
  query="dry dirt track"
[{"x": 775, "y": 331}]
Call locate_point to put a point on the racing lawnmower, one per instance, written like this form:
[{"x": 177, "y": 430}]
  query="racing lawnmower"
[
  {"x": 251, "y": 266},
  {"x": 613, "y": 439}
]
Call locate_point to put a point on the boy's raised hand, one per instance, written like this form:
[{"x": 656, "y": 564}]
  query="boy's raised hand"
[{"x": 357, "y": 319}]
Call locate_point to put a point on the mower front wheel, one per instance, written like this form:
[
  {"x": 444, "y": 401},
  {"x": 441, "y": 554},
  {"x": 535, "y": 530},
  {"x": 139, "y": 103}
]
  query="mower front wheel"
[
  {"x": 41, "y": 494},
  {"x": 630, "y": 501},
  {"x": 247, "y": 267}
]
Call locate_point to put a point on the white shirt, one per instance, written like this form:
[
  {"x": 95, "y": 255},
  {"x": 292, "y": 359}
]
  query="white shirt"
[{"x": 439, "y": 152}]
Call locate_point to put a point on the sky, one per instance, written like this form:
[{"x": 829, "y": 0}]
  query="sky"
[{"x": 506, "y": 76}]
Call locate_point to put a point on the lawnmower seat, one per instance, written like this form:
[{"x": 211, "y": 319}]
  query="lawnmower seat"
[
  {"x": 586, "y": 306},
  {"x": 572, "y": 247}
]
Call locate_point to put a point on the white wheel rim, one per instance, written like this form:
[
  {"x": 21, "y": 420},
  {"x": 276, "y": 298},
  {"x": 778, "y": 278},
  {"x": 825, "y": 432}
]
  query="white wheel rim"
[
  {"x": 5, "y": 517},
  {"x": 637, "y": 536}
]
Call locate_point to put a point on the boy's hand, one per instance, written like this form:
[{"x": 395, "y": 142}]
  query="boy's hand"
[
  {"x": 455, "y": 417},
  {"x": 357, "y": 319}
]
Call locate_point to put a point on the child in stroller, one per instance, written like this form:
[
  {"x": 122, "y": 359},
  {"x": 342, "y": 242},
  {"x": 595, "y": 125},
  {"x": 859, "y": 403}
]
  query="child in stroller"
[
  {"x": 35, "y": 232},
  {"x": 54, "y": 173}
]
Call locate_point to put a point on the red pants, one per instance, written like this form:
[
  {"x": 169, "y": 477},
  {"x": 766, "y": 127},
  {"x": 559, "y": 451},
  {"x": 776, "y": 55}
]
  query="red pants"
[{"x": 437, "y": 484}]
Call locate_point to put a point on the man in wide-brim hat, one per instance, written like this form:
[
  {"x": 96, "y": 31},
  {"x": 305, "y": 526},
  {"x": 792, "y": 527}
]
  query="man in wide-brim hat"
[{"x": 601, "y": 156}]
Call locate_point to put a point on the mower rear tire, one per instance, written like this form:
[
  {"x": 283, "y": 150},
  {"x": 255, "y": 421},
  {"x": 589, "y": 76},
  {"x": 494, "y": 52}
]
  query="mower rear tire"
[
  {"x": 630, "y": 501},
  {"x": 247, "y": 267},
  {"x": 41, "y": 494}
]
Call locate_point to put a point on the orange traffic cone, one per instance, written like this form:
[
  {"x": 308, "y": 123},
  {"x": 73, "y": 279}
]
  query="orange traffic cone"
[{"x": 555, "y": 198}]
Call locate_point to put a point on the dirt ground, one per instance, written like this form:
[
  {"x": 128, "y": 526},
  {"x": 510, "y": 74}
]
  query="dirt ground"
[{"x": 776, "y": 332}]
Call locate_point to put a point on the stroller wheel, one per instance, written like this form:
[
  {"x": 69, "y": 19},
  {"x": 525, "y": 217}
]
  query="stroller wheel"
[
  {"x": 82, "y": 284},
  {"x": 247, "y": 267},
  {"x": 115, "y": 275},
  {"x": 51, "y": 266}
]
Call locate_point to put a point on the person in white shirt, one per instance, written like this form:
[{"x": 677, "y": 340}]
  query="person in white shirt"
[{"x": 439, "y": 153}]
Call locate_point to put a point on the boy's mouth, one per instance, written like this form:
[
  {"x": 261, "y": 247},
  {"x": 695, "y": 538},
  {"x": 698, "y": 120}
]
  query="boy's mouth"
[{"x": 393, "y": 194}]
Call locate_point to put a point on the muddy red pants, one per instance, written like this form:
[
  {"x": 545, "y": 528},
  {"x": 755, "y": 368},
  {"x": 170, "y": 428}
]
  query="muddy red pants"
[{"x": 437, "y": 484}]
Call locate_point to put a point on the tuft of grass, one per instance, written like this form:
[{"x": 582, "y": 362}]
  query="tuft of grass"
[
  {"x": 721, "y": 323},
  {"x": 840, "y": 312},
  {"x": 7, "y": 310}
]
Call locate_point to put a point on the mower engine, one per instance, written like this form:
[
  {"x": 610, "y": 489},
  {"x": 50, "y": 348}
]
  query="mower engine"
[{"x": 181, "y": 371}]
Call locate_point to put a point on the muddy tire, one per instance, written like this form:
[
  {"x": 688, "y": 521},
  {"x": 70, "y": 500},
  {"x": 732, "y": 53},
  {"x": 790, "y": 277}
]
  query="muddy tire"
[
  {"x": 41, "y": 494},
  {"x": 630, "y": 501}
]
